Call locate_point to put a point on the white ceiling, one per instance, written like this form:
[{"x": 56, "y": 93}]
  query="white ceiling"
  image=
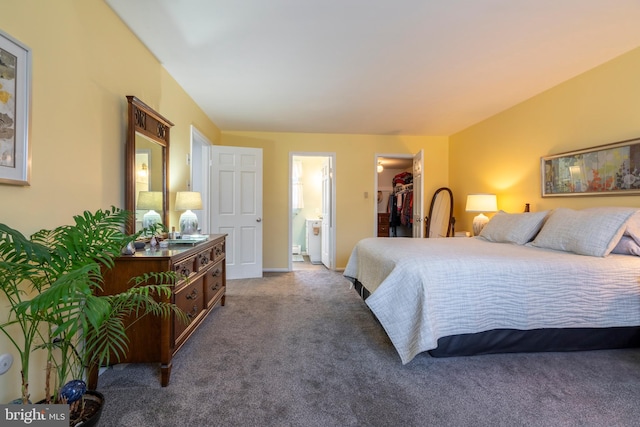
[{"x": 411, "y": 67}]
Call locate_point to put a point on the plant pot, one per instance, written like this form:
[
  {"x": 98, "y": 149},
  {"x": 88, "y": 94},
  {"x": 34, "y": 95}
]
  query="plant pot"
[
  {"x": 93, "y": 404},
  {"x": 18, "y": 401}
]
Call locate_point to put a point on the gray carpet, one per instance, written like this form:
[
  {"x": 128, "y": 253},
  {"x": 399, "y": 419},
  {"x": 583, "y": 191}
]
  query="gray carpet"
[{"x": 302, "y": 349}]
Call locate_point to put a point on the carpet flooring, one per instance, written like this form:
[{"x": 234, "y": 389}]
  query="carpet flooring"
[{"x": 302, "y": 349}]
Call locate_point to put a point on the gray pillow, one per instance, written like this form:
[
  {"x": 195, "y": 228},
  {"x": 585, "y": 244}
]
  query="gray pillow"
[
  {"x": 627, "y": 246},
  {"x": 513, "y": 228},
  {"x": 593, "y": 231},
  {"x": 632, "y": 229}
]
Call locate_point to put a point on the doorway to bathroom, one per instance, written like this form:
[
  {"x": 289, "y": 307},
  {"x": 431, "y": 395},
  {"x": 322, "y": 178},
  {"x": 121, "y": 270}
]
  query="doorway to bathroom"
[{"x": 312, "y": 210}]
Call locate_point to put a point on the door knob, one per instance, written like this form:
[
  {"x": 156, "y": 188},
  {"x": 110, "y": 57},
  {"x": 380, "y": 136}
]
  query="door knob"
[{"x": 259, "y": 220}]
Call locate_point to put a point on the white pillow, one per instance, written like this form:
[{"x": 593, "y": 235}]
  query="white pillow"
[
  {"x": 513, "y": 228},
  {"x": 593, "y": 231}
]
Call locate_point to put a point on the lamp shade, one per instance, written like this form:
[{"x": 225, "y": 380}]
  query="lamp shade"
[
  {"x": 186, "y": 200},
  {"x": 149, "y": 200},
  {"x": 482, "y": 203}
]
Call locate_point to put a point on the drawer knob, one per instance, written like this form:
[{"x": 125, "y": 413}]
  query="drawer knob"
[
  {"x": 216, "y": 272},
  {"x": 193, "y": 294},
  {"x": 193, "y": 312}
]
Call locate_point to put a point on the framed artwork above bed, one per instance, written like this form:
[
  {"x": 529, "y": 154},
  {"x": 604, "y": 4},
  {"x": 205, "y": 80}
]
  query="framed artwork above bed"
[{"x": 612, "y": 169}]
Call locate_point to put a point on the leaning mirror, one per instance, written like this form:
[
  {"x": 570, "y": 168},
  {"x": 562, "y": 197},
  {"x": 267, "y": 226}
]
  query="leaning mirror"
[
  {"x": 146, "y": 160},
  {"x": 440, "y": 221}
]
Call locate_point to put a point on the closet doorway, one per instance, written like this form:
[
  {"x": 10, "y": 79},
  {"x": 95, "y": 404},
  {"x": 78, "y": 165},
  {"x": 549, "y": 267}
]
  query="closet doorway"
[
  {"x": 312, "y": 210},
  {"x": 399, "y": 182}
]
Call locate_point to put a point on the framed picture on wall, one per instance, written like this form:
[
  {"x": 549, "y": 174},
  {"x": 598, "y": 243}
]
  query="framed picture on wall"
[
  {"x": 612, "y": 169},
  {"x": 15, "y": 90}
]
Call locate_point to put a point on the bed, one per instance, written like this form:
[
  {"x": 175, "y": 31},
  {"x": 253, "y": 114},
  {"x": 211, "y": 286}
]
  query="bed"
[{"x": 546, "y": 281}]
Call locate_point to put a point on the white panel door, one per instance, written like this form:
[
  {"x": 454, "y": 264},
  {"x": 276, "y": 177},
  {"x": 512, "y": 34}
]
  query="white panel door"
[
  {"x": 236, "y": 207},
  {"x": 418, "y": 185},
  {"x": 327, "y": 218}
]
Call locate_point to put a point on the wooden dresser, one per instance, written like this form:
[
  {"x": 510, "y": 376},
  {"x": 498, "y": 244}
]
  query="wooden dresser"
[
  {"x": 383, "y": 224},
  {"x": 156, "y": 340}
]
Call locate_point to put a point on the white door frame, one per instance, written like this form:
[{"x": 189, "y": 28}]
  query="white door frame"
[
  {"x": 199, "y": 159},
  {"x": 418, "y": 195},
  {"x": 375, "y": 182},
  {"x": 332, "y": 233}
]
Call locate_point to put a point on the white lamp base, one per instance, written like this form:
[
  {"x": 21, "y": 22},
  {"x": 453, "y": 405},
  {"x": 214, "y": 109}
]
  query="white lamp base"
[
  {"x": 478, "y": 223},
  {"x": 188, "y": 223},
  {"x": 150, "y": 218}
]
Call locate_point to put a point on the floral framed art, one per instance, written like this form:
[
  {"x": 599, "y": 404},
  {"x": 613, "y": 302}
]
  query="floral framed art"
[
  {"x": 15, "y": 92},
  {"x": 612, "y": 169}
]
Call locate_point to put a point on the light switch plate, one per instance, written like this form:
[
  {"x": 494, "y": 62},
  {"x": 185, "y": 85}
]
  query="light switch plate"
[{"x": 6, "y": 360}]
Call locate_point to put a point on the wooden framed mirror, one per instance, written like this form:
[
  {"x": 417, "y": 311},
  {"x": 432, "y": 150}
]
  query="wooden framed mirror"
[{"x": 146, "y": 165}]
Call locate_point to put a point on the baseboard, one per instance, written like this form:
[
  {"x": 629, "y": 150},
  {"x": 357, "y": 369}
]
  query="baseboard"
[{"x": 285, "y": 270}]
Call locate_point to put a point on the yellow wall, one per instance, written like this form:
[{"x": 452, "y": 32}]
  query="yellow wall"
[
  {"x": 355, "y": 174},
  {"x": 85, "y": 61},
  {"x": 502, "y": 154}
]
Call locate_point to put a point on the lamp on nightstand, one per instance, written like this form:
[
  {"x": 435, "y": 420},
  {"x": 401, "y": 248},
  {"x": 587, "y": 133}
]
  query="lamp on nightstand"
[
  {"x": 481, "y": 203},
  {"x": 185, "y": 201}
]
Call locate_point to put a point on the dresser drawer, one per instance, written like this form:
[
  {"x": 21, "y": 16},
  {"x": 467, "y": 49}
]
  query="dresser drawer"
[
  {"x": 214, "y": 283},
  {"x": 204, "y": 259},
  {"x": 187, "y": 267},
  {"x": 213, "y": 254},
  {"x": 218, "y": 251},
  {"x": 383, "y": 225},
  {"x": 189, "y": 299}
]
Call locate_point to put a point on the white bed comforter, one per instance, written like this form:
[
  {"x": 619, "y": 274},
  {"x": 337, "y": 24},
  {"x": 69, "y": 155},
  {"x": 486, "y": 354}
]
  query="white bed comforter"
[{"x": 425, "y": 289}]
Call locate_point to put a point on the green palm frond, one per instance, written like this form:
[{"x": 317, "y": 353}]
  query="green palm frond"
[
  {"x": 15, "y": 247},
  {"x": 64, "y": 268}
]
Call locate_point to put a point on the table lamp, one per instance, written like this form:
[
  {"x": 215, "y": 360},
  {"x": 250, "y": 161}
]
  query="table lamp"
[
  {"x": 151, "y": 200},
  {"x": 185, "y": 201},
  {"x": 481, "y": 203}
]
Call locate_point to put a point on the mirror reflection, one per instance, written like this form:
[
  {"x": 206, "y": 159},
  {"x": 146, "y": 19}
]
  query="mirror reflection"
[{"x": 149, "y": 182}]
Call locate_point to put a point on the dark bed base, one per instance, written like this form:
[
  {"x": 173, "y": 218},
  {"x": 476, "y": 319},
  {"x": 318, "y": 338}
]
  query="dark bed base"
[
  {"x": 536, "y": 340},
  {"x": 361, "y": 290}
]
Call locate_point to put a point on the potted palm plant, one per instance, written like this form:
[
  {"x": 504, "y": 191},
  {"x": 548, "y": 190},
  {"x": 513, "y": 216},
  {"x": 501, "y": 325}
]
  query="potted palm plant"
[{"x": 52, "y": 281}]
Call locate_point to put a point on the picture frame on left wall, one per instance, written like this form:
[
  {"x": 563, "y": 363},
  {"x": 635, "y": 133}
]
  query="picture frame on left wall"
[{"x": 15, "y": 98}]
